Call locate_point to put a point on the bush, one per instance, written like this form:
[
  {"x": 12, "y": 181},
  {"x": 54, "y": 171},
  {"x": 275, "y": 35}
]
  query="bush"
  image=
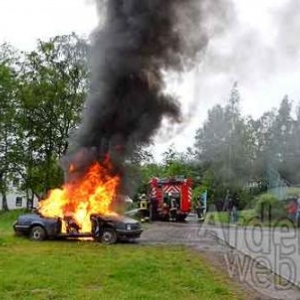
[
  {"x": 216, "y": 218},
  {"x": 268, "y": 207}
]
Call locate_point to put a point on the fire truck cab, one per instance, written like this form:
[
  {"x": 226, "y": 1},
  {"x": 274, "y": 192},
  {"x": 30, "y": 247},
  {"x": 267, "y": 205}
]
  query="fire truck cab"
[{"x": 170, "y": 198}]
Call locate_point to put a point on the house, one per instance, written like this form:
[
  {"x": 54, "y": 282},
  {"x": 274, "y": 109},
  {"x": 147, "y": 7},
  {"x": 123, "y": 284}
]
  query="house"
[
  {"x": 277, "y": 185},
  {"x": 16, "y": 200}
]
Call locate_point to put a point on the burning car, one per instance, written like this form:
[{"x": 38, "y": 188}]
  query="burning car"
[
  {"x": 107, "y": 229},
  {"x": 86, "y": 206}
]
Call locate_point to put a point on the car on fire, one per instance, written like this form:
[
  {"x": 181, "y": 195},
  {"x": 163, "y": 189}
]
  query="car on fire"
[{"x": 105, "y": 229}]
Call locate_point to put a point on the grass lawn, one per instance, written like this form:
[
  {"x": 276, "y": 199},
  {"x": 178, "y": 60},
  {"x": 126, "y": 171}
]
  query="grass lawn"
[
  {"x": 87, "y": 270},
  {"x": 247, "y": 218}
]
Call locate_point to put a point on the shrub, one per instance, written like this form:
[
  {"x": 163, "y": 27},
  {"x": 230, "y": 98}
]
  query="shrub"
[{"x": 268, "y": 207}]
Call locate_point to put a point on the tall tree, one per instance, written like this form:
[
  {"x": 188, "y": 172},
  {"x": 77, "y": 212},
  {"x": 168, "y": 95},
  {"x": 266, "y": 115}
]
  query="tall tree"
[
  {"x": 8, "y": 88},
  {"x": 263, "y": 136},
  {"x": 295, "y": 146},
  {"x": 280, "y": 148},
  {"x": 54, "y": 82},
  {"x": 225, "y": 145}
]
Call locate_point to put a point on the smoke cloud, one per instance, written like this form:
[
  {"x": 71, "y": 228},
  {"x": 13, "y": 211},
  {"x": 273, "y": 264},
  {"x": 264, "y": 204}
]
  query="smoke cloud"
[
  {"x": 136, "y": 44},
  {"x": 288, "y": 20},
  {"x": 244, "y": 53}
]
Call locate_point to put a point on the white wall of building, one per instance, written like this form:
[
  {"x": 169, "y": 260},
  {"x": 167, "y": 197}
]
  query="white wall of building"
[{"x": 12, "y": 200}]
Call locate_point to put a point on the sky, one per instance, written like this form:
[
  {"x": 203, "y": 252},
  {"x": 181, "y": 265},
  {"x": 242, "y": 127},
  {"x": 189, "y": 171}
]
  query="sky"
[{"x": 259, "y": 50}]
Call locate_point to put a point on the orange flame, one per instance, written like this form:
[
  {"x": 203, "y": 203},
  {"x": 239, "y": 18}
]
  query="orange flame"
[{"x": 91, "y": 194}]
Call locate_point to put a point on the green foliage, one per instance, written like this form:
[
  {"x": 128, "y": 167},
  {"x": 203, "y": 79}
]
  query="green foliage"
[
  {"x": 246, "y": 198},
  {"x": 245, "y": 218},
  {"x": 197, "y": 192},
  {"x": 208, "y": 184},
  {"x": 7, "y": 218},
  {"x": 268, "y": 206},
  {"x": 224, "y": 146},
  {"x": 265, "y": 200},
  {"x": 174, "y": 164},
  {"x": 43, "y": 92},
  {"x": 217, "y": 218},
  {"x": 239, "y": 150},
  {"x": 8, "y": 84}
]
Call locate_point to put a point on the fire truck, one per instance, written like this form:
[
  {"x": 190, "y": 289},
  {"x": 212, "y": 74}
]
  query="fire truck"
[{"x": 170, "y": 198}]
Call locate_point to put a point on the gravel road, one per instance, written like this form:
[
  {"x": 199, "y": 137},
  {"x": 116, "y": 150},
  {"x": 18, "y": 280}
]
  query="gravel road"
[{"x": 225, "y": 249}]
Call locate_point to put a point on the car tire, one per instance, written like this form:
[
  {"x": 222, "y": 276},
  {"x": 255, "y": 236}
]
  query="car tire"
[
  {"x": 109, "y": 236},
  {"x": 37, "y": 233}
]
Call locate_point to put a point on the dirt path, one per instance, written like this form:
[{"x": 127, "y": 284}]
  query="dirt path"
[{"x": 257, "y": 281}]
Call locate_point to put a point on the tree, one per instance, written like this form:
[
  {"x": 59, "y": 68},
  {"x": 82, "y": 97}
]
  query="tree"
[
  {"x": 222, "y": 143},
  {"x": 54, "y": 81},
  {"x": 295, "y": 145},
  {"x": 8, "y": 84},
  {"x": 281, "y": 148},
  {"x": 263, "y": 138},
  {"x": 226, "y": 148}
]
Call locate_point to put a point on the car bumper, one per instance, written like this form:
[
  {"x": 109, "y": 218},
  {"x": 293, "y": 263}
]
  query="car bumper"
[
  {"x": 129, "y": 234},
  {"x": 20, "y": 228}
]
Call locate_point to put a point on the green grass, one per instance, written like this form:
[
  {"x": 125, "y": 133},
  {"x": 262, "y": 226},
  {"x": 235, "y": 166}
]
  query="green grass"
[
  {"x": 87, "y": 270},
  {"x": 246, "y": 218}
]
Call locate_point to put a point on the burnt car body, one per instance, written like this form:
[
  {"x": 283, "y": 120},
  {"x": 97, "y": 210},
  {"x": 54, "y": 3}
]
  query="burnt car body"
[{"x": 105, "y": 229}]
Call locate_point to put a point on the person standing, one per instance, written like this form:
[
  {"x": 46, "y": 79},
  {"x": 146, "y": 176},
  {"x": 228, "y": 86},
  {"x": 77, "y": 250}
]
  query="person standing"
[
  {"x": 143, "y": 207},
  {"x": 292, "y": 209},
  {"x": 235, "y": 205},
  {"x": 173, "y": 209},
  {"x": 200, "y": 208},
  {"x": 228, "y": 206},
  {"x": 154, "y": 209}
]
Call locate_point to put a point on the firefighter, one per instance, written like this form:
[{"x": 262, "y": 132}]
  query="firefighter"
[
  {"x": 153, "y": 209},
  {"x": 200, "y": 208},
  {"x": 143, "y": 207}
]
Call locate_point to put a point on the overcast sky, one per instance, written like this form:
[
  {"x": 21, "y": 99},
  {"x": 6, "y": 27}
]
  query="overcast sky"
[{"x": 260, "y": 51}]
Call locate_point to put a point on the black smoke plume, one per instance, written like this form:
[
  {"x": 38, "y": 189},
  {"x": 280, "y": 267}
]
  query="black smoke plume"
[{"x": 137, "y": 42}]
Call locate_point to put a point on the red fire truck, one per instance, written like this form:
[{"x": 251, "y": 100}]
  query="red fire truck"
[{"x": 170, "y": 198}]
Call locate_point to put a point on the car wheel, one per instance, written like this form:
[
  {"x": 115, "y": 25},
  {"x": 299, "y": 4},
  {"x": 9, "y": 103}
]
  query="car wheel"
[
  {"x": 109, "y": 236},
  {"x": 37, "y": 233}
]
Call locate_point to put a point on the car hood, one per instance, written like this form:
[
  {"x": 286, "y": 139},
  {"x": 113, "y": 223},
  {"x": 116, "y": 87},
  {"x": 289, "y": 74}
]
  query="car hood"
[
  {"x": 32, "y": 216},
  {"x": 29, "y": 216},
  {"x": 120, "y": 219}
]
